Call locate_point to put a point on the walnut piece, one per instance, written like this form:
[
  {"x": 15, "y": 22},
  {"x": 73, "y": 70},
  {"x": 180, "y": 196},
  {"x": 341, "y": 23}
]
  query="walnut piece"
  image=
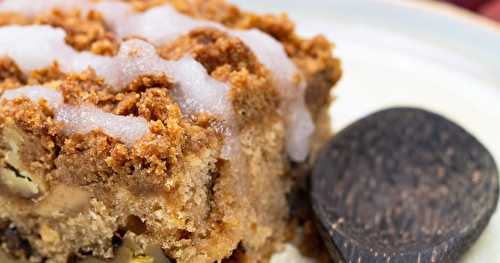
[
  {"x": 125, "y": 255},
  {"x": 13, "y": 174}
]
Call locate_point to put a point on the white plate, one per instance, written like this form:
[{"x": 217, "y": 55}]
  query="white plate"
[{"x": 413, "y": 53}]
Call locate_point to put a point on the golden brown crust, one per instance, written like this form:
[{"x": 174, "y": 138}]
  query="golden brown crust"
[
  {"x": 13, "y": 18},
  {"x": 226, "y": 58},
  {"x": 10, "y": 71},
  {"x": 89, "y": 32},
  {"x": 10, "y": 74},
  {"x": 171, "y": 184}
]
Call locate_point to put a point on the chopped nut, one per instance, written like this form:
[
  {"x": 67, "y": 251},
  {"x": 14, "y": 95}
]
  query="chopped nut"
[
  {"x": 153, "y": 254},
  {"x": 13, "y": 174},
  {"x": 18, "y": 184},
  {"x": 49, "y": 235},
  {"x": 142, "y": 259}
]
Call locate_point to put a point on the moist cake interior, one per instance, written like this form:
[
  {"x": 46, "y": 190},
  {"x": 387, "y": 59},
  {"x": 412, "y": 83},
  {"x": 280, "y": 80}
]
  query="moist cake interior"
[{"x": 141, "y": 130}]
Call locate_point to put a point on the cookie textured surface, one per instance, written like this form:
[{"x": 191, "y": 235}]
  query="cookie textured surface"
[
  {"x": 132, "y": 130},
  {"x": 403, "y": 185}
]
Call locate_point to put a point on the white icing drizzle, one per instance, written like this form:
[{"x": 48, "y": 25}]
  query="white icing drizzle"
[
  {"x": 163, "y": 24},
  {"x": 17, "y": 43},
  {"x": 84, "y": 119},
  {"x": 34, "y": 47},
  {"x": 196, "y": 90},
  {"x": 34, "y": 7},
  {"x": 159, "y": 25},
  {"x": 35, "y": 94}
]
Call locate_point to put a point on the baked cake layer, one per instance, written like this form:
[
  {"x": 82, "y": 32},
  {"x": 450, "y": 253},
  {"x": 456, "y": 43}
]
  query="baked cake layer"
[{"x": 150, "y": 128}]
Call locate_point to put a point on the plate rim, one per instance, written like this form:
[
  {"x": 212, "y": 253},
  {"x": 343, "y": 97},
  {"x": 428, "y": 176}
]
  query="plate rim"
[{"x": 449, "y": 10}]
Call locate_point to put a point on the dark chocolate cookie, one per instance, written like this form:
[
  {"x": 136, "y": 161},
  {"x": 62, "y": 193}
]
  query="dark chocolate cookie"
[{"x": 403, "y": 185}]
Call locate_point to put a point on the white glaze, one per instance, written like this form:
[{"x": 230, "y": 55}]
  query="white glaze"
[
  {"x": 34, "y": 7},
  {"x": 35, "y": 94},
  {"x": 34, "y": 47},
  {"x": 84, "y": 119},
  {"x": 196, "y": 91},
  {"x": 163, "y": 24}
]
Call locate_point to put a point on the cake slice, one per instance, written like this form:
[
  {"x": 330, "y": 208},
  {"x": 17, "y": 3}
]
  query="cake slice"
[{"x": 147, "y": 130}]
